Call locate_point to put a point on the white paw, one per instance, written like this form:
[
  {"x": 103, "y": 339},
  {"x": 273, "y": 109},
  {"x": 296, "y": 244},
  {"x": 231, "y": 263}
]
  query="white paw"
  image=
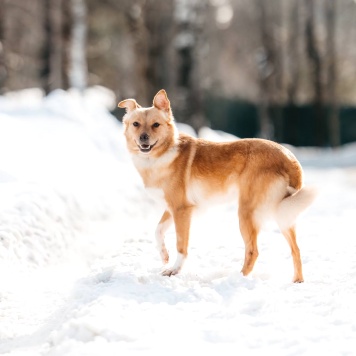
[
  {"x": 170, "y": 272},
  {"x": 177, "y": 266}
]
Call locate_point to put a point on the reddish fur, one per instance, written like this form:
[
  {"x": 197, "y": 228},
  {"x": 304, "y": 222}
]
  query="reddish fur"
[{"x": 253, "y": 166}]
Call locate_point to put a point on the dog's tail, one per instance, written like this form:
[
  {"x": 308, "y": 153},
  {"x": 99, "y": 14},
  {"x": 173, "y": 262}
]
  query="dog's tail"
[{"x": 290, "y": 207}]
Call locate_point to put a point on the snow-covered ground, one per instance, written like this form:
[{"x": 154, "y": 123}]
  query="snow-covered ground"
[{"x": 79, "y": 272}]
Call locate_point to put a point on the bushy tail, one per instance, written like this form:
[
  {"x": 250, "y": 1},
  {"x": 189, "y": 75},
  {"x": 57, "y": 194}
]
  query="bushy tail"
[{"x": 289, "y": 208}]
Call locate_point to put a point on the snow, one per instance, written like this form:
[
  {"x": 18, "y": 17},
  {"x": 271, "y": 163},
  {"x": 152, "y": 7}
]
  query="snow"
[{"x": 79, "y": 270}]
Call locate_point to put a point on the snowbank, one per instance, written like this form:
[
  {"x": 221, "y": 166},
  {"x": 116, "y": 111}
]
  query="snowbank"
[{"x": 62, "y": 163}]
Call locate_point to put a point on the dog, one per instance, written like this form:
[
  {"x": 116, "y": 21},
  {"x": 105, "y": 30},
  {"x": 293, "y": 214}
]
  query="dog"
[{"x": 264, "y": 177}]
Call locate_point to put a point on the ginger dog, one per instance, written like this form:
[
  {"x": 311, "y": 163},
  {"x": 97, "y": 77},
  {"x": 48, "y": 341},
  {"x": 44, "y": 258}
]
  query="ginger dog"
[{"x": 264, "y": 177}]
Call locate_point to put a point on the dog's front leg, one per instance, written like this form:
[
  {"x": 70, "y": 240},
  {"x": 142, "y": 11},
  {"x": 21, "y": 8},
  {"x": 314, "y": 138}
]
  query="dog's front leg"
[
  {"x": 182, "y": 217},
  {"x": 165, "y": 222}
]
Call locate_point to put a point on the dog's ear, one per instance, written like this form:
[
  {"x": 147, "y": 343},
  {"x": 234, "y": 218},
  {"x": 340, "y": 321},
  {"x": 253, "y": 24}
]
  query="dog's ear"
[
  {"x": 161, "y": 101},
  {"x": 128, "y": 104}
]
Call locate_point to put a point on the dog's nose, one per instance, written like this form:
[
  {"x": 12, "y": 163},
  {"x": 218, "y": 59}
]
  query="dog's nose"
[{"x": 144, "y": 137}]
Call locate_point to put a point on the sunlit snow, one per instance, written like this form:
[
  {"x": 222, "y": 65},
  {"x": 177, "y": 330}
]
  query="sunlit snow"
[{"x": 80, "y": 274}]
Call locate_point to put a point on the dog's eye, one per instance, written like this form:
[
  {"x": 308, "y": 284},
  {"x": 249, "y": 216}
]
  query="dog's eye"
[
  {"x": 136, "y": 124},
  {"x": 155, "y": 125}
]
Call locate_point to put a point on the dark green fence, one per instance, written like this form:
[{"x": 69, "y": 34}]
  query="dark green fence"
[{"x": 295, "y": 125}]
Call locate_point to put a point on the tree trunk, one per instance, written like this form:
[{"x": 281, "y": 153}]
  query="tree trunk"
[
  {"x": 293, "y": 51},
  {"x": 150, "y": 28},
  {"x": 333, "y": 116},
  {"x": 53, "y": 46},
  {"x": 315, "y": 64},
  {"x": 66, "y": 32},
  {"x": 293, "y": 64},
  {"x": 23, "y": 38},
  {"x": 3, "y": 71},
  {"x": 78, "y": 69},
  {"x": 160, "y": 32},
  {"x": 138, "y": 31},
  {"x": 190, "y": 19},
  {"x": 266, "y": 67}
]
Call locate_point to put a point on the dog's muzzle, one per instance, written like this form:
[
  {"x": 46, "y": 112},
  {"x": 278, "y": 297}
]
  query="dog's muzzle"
[
  {"x": 145, "y": 148},
  {"x": 144, "y": 145}
]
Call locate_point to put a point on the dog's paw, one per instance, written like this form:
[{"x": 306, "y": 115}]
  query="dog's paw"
[
  {"x": 176, "y": 267},
  {"x": 298, "y": 280},
  {"x": 170, "y": 272}
]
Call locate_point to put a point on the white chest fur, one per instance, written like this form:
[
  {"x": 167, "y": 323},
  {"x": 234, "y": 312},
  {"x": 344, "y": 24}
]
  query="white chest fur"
[
  {"x": 157, "y": 195},
  {"x": 143, "y": 162},
  {"x": 153, "y": 171}
]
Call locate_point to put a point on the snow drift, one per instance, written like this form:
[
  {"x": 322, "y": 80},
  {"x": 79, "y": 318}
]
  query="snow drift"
[{"x": 79, "y": 272}]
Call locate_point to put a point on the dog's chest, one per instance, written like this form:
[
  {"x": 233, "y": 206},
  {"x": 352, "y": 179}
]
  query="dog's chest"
[
  {"x": 157, "y": 195},
  {"x": 153, "y": 179},
  {"x": 154, "y": 171},
  {"x": 153, "y": 182}
]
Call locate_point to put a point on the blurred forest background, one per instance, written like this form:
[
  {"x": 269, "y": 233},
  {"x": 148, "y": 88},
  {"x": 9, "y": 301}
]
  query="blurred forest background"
[{"x": 279, "y": 69}]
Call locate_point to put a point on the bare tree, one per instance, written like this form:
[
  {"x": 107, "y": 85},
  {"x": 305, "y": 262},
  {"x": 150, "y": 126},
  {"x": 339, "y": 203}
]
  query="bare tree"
[
  {"x": 160, "y": 32},
  {"x": 150, "y": 28},
  {"x": 23, "y": 38},
  {"x": 331, "y": 87},
  {"x": 53, "y": 52},
  {"x": 78, "y": 69},
  {"x": 189, "y": 22},
  {"x": 165, "y": 38},
  {"x": 266, "y": 63},
  {"x": 135, "y": 17},
  {"x": 293, "y": 64},
  {"x": 293, "y": 51},
  {"x": 3, "y": 71},
  {"x": 315, "y": 60}
]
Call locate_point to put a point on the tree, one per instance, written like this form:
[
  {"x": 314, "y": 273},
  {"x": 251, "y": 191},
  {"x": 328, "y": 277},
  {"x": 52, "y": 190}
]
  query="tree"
[
  {"x": 165, "y": 37},
  {"x": 78, "y": 69},
  {"x": 331, "y": 88},
  {"x": 23, "y": 39},
  {"x": 135, "y": 18},
  {"x": 3, "y": 71},
  {"x": 294, "y": 55},
  {"x": 53, "y": 49},
  {"x": 293, "y": 50},
  {"x": 266, "y": 64},
  {"x": 315, "y": 61},
  {"x": 151, "y": 31},
  {"x": 189, "y": 23}
]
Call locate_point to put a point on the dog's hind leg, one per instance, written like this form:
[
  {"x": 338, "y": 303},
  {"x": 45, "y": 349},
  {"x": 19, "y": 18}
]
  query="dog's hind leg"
[
  {"x": 249, "y": 231},
  {"x": 162, "y": 227},
  {"x": 287, "y": 211},
  {"x": 290, "y": 235},
  {"x": 182, "y": 218}
]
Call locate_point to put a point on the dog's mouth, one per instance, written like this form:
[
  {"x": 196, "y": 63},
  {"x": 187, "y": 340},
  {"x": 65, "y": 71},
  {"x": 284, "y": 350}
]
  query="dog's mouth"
[{"x": 144, "y": 148}]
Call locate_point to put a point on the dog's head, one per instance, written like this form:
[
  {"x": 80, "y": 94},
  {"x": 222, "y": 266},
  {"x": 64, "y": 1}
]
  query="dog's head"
[{"x": 149, "y": 131}]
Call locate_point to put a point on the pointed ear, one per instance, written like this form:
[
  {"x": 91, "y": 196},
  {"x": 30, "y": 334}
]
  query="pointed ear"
[
  {"x": 161, "y": 101},
  {"x": 128, "y": 104}
]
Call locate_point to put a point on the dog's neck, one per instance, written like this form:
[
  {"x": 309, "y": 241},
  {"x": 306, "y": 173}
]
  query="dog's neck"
[
  {"x": 154, "y": 169},
  {"x": 147, "y": 162}
]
